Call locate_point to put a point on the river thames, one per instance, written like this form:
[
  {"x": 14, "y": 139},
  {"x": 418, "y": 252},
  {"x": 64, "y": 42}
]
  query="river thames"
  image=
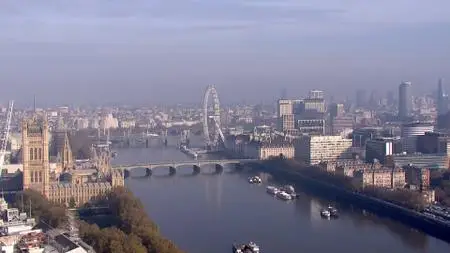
[{"x": 208, "y": 212}]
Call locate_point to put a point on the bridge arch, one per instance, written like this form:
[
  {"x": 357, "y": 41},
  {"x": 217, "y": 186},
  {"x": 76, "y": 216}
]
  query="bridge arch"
[
  {"x": 128, "y": 172},
  {"x": 196, "y": 166}
]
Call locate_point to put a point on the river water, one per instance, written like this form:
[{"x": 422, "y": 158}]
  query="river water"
[{"x": 206, "y": 213}]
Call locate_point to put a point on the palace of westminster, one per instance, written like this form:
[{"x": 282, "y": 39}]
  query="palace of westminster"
[{"x": 66, "y": 183}]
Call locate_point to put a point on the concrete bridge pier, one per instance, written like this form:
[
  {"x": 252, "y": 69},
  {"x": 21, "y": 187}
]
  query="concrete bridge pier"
[
  {"x": 219, "y": 168},
  {"x": 126, "y": 173},
  {"x": 172, "y": 170},
  {"x": 148, "y": 172},
  {"x": 196, "y": 169}
]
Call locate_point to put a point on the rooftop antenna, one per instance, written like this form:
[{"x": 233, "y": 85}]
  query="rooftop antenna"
[{"x": 34, "y": 103}]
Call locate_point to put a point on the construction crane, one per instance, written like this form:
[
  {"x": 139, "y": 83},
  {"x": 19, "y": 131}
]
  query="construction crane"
[{"x": 6, "y": 135}]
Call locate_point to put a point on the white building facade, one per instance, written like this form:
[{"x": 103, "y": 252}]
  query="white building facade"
[{"x": 316, "y": 149}]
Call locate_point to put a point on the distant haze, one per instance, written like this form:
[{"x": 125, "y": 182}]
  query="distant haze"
[{"x": 168, "y": 51}]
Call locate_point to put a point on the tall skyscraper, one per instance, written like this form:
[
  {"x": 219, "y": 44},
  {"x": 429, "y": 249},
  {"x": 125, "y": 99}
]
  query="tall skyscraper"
[
  {"x": 441, "y": 99},
  {"x": 374, "y": 100},
  {"x": 285, "y": 107},
  {"x": 361, "y": 98},
  {"x": 336, "y": 110},
  {"x": 315, "y": 94},
  {"x": 314, "y": 102},
  {"x": 285, "y": 114},
  {"x": 404, "y": 100}
]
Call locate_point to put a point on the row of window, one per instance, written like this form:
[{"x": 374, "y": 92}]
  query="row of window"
[
  {"x": 35, "y": 154},
  {"x": 36, "y": 177},
  {"x": 79, "y": 191}
]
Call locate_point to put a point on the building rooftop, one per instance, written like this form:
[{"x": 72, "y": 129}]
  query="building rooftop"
[
  {"x": 386, "y": 139},
  {"x": 381, "y": 170},
  {"x": 83, "y": 172},
  {"x": 65, "y": 242},
  {"x": 438, "y": 134},
  {"x": 417, "y": 154},
  {"x": 417, "y": 124}
]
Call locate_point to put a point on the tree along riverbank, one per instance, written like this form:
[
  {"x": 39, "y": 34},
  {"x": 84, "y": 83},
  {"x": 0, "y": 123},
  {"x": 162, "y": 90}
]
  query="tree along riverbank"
[
  {"x": 129, "y": 228},
  {"x": 401, "y": 205},
  {"x": 132, "y": 231},
  {"x": 440, "y": 180}
]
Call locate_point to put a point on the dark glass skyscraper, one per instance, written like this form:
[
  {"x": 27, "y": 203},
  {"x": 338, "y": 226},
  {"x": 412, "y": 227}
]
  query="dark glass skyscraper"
[
  {"x": 441, "y": 99},
  {"x": 361, "y": 98},
  {"x": 404, "y": 100}
]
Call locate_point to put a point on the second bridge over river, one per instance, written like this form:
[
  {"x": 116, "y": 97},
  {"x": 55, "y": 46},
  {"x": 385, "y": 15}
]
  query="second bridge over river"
[{"x": 174, "y": 166}]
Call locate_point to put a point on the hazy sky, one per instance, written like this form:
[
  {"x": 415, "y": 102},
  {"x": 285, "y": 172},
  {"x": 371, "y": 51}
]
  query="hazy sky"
[{"x": 144, "y": 51}]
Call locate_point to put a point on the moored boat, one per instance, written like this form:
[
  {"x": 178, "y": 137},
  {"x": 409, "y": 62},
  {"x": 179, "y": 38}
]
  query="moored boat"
[
  {"x": 272, "y": 190},
  {"x": 251, "y": 247},
  {"x": 333, "y": 211},
  {"x": 284, "y": 195},
  {"x": 289, "y": 189},
  {"x": 325, "y": 213},
  {"x": 254, "y": 180}
]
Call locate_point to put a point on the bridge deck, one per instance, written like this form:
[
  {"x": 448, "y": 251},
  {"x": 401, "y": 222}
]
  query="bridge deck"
[{"x": 184, "y": 163}]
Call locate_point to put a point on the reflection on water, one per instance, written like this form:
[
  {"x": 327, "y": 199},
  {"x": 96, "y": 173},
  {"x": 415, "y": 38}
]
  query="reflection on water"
[
  {"x": 314, "y": 213},
  {"x": 226, "y": 208},
  {"x": 213, "y": 193},
  {"x": 219, "y": 192},
  {"x": 409, "y": 236}
]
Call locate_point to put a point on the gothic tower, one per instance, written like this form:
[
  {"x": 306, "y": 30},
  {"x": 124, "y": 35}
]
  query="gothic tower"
[{"x": 35, "y": 154}]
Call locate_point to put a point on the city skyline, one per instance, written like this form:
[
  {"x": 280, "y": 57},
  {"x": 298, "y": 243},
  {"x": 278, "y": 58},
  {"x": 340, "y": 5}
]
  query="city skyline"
[{"x": 141, "y": 52}]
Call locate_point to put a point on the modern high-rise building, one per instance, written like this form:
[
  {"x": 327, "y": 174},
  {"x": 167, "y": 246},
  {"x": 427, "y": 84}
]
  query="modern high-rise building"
[
  {"x": 441, "y": 99},
  {"x": 314, "y": 105},
  {"x": 316, "y": 149},
  {"x": 374, "y": 100},
  {"x": 336, "y": 110},
  {"x": 404, "y": 100},
  {"x": 411, "y": 132},
  {"x": 379, "y": 148},
  {"x": 313, "y": 126},
  {"x": 285, "y": 107},
  {"x": 362, "y": 135},
  {"x": 342, "y": 123},
  {"x": 434, "y": 143},
  {"x": 361, "y": 98},
  {"x": 316, "y": 94},
  {"x": 287, "y": 122},
  {"x": 285, "y": 114}
]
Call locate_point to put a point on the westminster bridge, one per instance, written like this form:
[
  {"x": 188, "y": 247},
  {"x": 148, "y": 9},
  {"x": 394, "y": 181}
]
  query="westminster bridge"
[{"x": 173, "y": 167}]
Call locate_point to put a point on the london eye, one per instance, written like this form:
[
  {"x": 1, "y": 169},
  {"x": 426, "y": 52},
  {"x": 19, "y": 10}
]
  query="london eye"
[{"x": 211, "y": 118}]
